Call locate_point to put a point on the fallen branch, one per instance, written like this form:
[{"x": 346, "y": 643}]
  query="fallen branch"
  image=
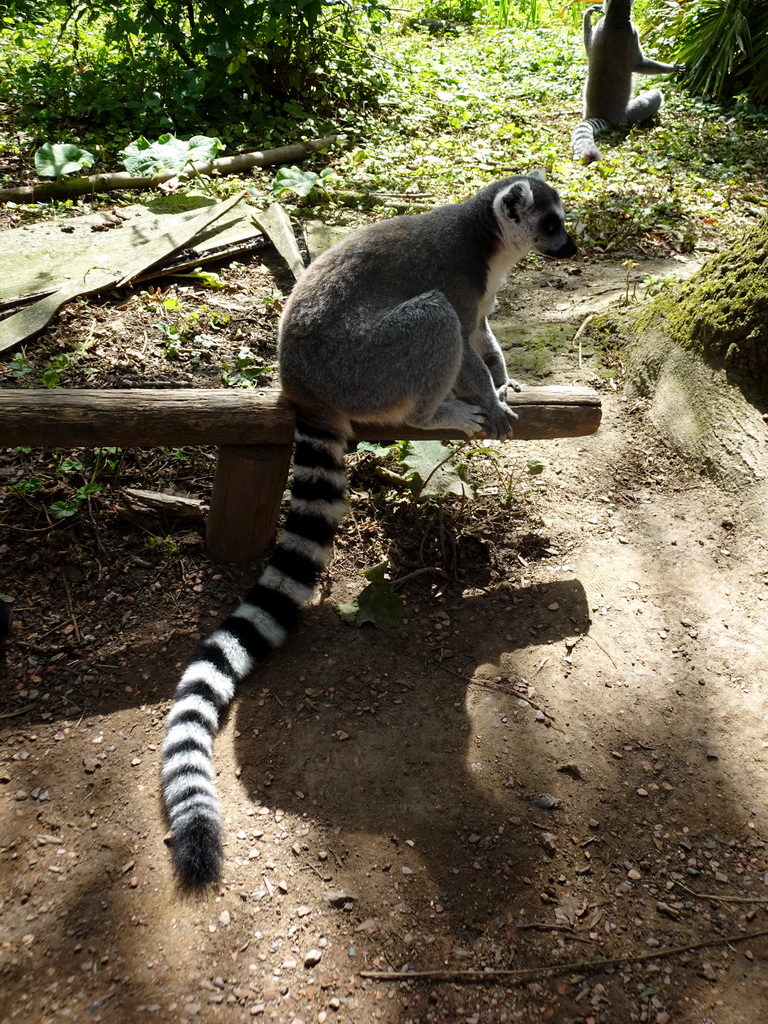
[
  {"x": 532, "y": 973},
  {"x": 67, "y": 188},
  {"x": 159, "y": 503},
  {"x": 722, "y": 899}
]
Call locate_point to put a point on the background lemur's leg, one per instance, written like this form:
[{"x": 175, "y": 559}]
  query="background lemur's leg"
[
  {"x": 487, "y": 347},
  {"x": 643, "y": 106}
]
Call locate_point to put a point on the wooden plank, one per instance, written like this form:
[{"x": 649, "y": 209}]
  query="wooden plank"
[
  {"x": 276, "y": 224},
  {"x": 41, "y": 257},
  {"x": 142, "y": 418}
]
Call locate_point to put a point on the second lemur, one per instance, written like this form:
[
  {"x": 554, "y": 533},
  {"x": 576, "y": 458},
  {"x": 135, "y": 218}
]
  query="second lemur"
[
  {"x": 614, "y": 54},
  {"x": 389, "y": 326}
]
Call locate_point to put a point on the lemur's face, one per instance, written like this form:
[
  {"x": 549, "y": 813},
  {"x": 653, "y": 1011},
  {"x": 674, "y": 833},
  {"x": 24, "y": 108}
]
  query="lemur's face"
[{"x": 532, "y": 217}]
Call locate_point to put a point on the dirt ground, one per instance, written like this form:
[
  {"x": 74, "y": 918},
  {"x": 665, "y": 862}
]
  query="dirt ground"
[{"x": 557, "y": 760}]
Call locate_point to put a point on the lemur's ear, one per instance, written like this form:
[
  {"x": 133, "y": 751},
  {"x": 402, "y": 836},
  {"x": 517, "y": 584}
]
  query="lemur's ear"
[
  {"x": 517, "y": 200},
  {"x": 538, "y": 174}
]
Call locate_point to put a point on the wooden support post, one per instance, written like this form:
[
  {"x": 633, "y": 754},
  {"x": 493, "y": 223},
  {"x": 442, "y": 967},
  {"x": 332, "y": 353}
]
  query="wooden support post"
[{"x": 245, "y": 503}]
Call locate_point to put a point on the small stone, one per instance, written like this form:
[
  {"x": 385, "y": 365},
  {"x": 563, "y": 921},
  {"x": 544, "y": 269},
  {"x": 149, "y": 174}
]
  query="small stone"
[
  {"x": 634, "y": 874},
  {"x": 712, "y": 755},
  {"x": 641, "y": 792},
  {"x": 303, "y": 911},
  {"x": 546, "y": 801},
  {"x": 708, "y": 971},
  {"x": 341, "y": 900},
  {"x": 225, "y": 917},
  {"x": 549, "y": 842},
  {"x": 313, "y": 958}
]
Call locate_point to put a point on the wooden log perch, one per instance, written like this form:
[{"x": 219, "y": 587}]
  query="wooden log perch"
[
  {"x": 254, "y": 432},
  {"x": 144, "y": 418}
]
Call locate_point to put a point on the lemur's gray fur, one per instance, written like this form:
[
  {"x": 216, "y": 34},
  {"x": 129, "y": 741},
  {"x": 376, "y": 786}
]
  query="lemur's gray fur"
[
  {"x": 614, "y": 54},
  {"x": 389, "y": 326}
]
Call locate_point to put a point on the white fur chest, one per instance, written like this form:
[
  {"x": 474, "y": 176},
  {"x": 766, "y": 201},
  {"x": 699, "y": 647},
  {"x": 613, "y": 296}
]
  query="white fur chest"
[{"x": 499, "y": 267}]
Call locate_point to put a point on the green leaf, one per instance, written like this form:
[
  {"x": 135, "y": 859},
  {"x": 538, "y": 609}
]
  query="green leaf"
[
  {"x": 63, "y": 509},
  {"x": 146, "y": 159},
  {"x": 377, "y": 604},
  {"x": 377, "y": 573},
  {"x": 51, "y": 379},
  {"x": 380, "y": 450},
  {"x": 293, "y": 179},
  {"x": 433, "y": 470},
  {"x": 54, "y": 160}
]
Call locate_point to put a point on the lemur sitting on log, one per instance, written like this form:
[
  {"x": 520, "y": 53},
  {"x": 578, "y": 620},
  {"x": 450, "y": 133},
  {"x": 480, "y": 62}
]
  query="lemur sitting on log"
[{"x": 613, "y": 55}]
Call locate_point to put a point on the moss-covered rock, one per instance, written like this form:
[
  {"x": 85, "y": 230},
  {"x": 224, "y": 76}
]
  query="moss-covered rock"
[{"x": 722, "y": 311}]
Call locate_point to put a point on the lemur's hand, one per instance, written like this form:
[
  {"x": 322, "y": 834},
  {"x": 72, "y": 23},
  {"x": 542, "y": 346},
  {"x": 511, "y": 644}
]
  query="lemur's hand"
[
  {"x": 681, "y": 69},
  {"x": 596, "y": 9}
]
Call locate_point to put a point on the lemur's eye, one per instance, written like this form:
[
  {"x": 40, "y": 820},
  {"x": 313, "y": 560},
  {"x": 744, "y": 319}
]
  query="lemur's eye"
[{"x": 550, "y": 226}]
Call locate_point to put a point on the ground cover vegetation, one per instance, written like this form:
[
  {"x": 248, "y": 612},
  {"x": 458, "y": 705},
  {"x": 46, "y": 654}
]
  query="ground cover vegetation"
[{"x": 428, "y": 113}]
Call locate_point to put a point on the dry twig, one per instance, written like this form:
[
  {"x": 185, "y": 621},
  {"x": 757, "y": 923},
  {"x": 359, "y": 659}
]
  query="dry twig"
[{"x": 533, "y": 973}]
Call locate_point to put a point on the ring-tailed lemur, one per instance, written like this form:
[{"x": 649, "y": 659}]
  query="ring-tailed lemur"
[
  {"x": 388, "y": 326},
  {"x": 613, "y": 55}
]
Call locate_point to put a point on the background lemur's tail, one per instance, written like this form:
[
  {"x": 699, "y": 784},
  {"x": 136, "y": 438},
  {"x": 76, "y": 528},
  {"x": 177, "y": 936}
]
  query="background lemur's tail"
[
  {"x": 259, "y": 625},
  {"x": 583, "y": 139}
]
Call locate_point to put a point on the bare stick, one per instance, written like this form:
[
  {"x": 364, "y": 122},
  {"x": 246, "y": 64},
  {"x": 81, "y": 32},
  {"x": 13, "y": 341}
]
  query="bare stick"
[{"x": 528, "y": 973}]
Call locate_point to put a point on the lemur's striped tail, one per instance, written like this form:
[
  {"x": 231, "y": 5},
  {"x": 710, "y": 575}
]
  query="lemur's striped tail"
[
  {"x": 258, "y": 626},
  {"x": 583, "y": 139}
]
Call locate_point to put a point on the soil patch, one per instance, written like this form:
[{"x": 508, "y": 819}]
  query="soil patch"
[{"x": 557, "y": 758}]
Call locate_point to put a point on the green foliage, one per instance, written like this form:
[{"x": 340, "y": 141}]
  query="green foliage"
[
  {"x": 434, "y": 470},
  {"x": 165, "y": 546},
  {"x": 377, "y": 603},
  {"x": 245, "y": 372},
  {"x": 431, "y": 468},
  {"x": 160, "y": 65},
  {"x": 54, "y": 160},
  {"x": 724, "y": 44},
  {"x": 66, "y": 509},
  {"x": 301, "y": 182},
  {"x": 145, "y": 159}
]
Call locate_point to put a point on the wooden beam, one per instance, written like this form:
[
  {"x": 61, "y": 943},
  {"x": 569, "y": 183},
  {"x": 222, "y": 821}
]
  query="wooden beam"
[
  {"x": 254, "y": 433},
  {"x": 142, "y": 418}
]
